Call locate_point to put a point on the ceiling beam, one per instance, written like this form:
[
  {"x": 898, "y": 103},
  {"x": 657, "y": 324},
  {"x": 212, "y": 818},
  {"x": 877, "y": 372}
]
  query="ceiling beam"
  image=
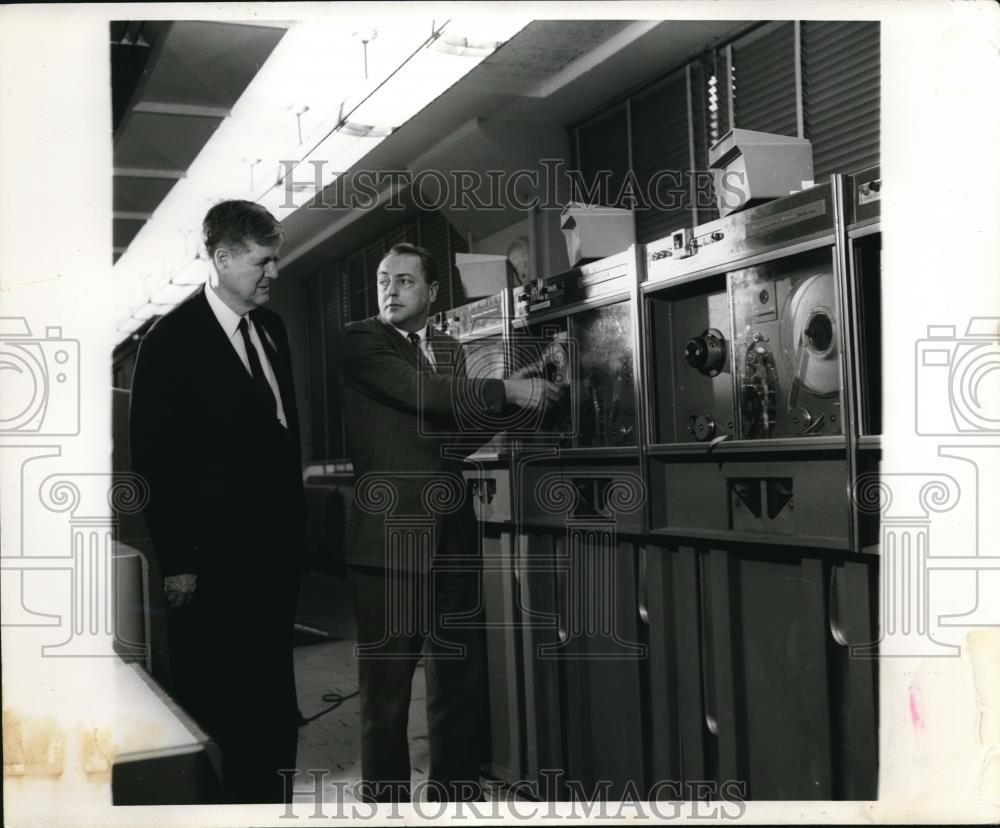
[
  {"x": 192, "y": 110},
  {"x": 142, "y": 172}
]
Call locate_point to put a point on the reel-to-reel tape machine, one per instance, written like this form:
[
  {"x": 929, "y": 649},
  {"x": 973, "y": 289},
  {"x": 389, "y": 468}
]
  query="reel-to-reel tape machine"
[
  {"x": 786, "y": 351},
  {"x": 751, "y": 354},
  {"x": 747, "y": 355}
]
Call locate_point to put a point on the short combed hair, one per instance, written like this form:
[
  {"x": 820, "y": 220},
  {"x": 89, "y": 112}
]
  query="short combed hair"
[
  {"x": 235, "y": 223},
  {"x": 426, "y": 260}
]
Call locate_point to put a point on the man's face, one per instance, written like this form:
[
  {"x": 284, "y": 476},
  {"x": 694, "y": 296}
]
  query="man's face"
[
  {"x": 404, "y": 297},
  {"x": 245, "y": 274}
]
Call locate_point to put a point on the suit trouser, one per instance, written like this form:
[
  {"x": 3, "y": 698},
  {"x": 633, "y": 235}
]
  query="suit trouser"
[
  {"x": 400, "y": 615},
  {"x": 233, "y": 671}
]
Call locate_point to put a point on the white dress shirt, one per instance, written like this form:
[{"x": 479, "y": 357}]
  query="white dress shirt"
[
  {"x": 230, "y": 322},
  {"x": 425, "y": 346}
]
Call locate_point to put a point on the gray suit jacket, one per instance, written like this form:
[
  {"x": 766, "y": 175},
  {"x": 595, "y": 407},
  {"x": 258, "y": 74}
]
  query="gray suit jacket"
[{"x": 399, "y": 416}]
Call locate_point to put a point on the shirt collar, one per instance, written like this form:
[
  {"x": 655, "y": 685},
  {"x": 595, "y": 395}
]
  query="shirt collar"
[
  {"x": 228, "y": 318},
  {"x": 422, "y": 333}
]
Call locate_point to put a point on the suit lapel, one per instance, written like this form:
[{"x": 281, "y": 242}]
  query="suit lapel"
[
  {"x": 279, "y": 364},
  {"x": 218, "y": 347},
  {"x": 400, "y": 344},
  {"x": 227, "y": 371},
  {"x": 443, "y": 357}
]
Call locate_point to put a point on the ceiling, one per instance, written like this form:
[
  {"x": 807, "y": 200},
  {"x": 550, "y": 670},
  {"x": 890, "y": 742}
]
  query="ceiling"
[
  {"x": 172, "y": 85},
  {"x": 551, "y": 74}
]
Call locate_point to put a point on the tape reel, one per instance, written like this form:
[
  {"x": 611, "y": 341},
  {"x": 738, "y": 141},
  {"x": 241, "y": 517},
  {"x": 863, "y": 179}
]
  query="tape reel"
[{"x": 808, "y": 333}]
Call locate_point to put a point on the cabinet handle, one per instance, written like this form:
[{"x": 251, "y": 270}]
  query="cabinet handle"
[
  {"x": 643, "y": 593},
  {"x": 562, "y": 576},
  {"x": 707, "y": 651},
  {"x": 833, "y": 610}
]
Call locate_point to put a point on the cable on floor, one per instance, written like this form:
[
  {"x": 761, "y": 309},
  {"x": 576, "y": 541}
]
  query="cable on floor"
[{"x": 334, "y": 700}]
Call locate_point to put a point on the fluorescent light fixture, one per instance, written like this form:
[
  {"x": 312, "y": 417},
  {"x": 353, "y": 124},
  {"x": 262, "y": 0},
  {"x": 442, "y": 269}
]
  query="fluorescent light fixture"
[
  {"x": 364, "y": 130},
  {"x": 463, "y": 47},
  {"x": 311, "y": 106}
]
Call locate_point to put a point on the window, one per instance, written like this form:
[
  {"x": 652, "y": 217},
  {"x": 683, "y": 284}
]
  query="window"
[{"x": 816, "y": 79}]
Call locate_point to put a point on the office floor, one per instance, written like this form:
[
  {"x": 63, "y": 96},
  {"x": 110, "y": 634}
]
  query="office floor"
[{"x": 331, "y": 743}]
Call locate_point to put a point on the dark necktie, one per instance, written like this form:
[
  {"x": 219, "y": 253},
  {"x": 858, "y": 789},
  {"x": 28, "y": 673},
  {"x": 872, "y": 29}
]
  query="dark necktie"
[
  {"x": 262, "y": 386},
  {"x": 421, "y": 356}
]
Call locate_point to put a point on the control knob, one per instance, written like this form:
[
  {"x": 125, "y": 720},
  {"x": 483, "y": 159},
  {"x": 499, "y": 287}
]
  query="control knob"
[
  {"x": 703, "y": 426},
  {"x": 706, "y": 353}
]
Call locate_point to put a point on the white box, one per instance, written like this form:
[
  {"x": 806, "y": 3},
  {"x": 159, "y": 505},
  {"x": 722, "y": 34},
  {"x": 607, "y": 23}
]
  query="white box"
[
  {"x": 593, "y": 232},
  {"x": 483, "y": 274}
]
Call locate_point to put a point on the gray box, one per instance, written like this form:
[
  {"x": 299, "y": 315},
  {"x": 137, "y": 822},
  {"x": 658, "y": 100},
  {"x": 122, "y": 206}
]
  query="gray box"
[
  {"x": 595, "y": 232},
  {"x": 749, "y": 167}
]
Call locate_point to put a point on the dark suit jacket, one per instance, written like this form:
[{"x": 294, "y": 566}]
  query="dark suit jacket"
[
  {"x": 225, "y": 477},
  {"x": 388, "y": 389}
]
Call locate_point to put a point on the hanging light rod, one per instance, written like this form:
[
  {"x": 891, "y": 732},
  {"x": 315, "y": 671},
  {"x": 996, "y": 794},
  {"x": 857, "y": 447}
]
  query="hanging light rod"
[
  {"x": 366, "y": 36},
  {"x": 344, "y": 119}
]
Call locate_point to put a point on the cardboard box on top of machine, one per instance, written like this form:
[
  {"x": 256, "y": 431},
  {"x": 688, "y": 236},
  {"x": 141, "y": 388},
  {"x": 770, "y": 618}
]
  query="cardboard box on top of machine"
[{"x": 593, "y": 232}]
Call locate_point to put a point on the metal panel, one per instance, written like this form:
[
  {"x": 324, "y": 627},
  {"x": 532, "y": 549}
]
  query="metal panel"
[
  {"x": 767, "y": 227},
  {"x": 799, "y": 495}
]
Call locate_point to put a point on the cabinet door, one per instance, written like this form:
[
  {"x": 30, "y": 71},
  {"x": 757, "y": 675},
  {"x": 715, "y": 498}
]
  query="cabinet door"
[
  {"x": 603, "y": 663},
  {"x": 503, "y": 654},
  {"x": 539, "y": 582},
  {"x": 853, "y": 599},
  {"x": 780, "y": 698},
  {"x": 659, "y": 575}
]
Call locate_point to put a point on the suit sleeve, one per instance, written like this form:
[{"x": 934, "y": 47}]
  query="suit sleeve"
[
  {"x": 369, "y": 363},
  {"x": 162, "y": 452}
]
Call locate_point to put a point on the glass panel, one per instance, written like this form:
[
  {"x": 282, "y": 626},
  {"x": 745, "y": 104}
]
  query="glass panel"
[
  {"x": 590, "y": 357},
  {"x": 484, "y": 359},
  {"x": 868, "y": 280},
  {"x": 548, "y": 345},
  {"x": 787, "y": 347},
  {"x": 604, "y": 378}
]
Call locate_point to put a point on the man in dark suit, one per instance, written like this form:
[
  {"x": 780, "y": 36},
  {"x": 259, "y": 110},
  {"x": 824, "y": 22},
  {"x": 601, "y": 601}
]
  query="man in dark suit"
[
  {"x": 214, "y": 431},
  {"x": 413, "y": 541}
]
